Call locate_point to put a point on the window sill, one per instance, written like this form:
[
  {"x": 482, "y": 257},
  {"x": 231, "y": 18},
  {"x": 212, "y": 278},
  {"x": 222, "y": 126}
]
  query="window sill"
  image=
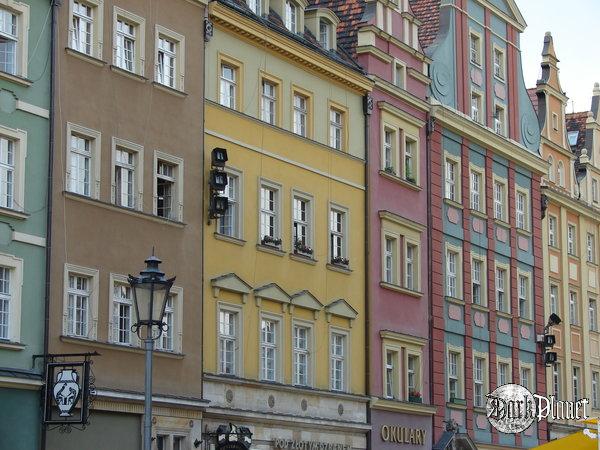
[
  {"x": 523, "y": 232},
  {"x": 592, "y": 264},
  {"x": 571, "y": 255},
  {"x": 9, "y": 345},
  {"x": 128, "y": 74},
  {"x": 303, "y": 259},
  {"x": 85, "y": 57},
  {"x": 338, "y": 268},
  {"x": 118, "y": 347},
  {"x": 452, "y": 203},
  {"x": 481, "y": 308},
  {"x": 454, "y": 405},
  {"x": 500, "y": 79},
  {"x": 502, "y": 223},
  {"x": 525, "y": 321},
  {"x": 401, "y": 181},
  {"x": 456, "y": 301},
  {"x": 268, "y": 249},
  {"x": 554, "y": 247},
  {"x": 230, "y": 239},
  {"x": 112, "y": 207},
  {"x": 504, "y": 315},
  {"x": 478, "y": 214},
  {"x": 13, "y": 213},
  {"x": 400, "y": 289},
  {"x": 16, "y": 79},
  {"x": 169, "y": 90}
]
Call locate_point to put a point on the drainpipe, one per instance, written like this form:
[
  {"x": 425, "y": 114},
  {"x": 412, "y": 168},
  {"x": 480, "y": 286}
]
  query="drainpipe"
[
  {"x": 55, "y": 4},
  {"x": 429, "y": 130},
  {"x": 367, "y": 111}
]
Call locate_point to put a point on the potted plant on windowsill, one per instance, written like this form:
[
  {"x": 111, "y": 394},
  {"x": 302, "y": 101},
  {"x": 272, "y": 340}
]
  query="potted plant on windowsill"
[
  {"x": 271, "y": 241},
  {"x": 390, "y": 170},
  {"x": 340, "y": 261},
  {"x": 415, "y": 397},
  {"x": 457, "y": 401},
  {"x": 409, "y": 177},
  {"x": 302, "y": 249}
]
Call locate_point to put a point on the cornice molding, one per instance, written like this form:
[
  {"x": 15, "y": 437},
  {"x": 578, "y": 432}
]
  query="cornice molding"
[
  {"x": 572, "y": 204},
  {"x": 229, "y": 19},
  {"x": 402, "y": 94},
  {"x": 397, "y": 42},
  {"x": 554, "y": 146},
  {"x": 395, "y": 111},
  {"x": 405, "y": 407}
]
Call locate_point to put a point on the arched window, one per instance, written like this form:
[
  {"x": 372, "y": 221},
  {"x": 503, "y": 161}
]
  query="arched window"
[
  {"x": 560, "y": 174},
  {"x": 551, "y": 169}
]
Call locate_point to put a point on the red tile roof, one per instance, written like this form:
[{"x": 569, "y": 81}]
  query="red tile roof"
[
  {"x": 428, "y": 12},
  {"x": 534, "y": 99},
  {"x": 350, "y": 13},
  {"x": 576, "y": 122}
]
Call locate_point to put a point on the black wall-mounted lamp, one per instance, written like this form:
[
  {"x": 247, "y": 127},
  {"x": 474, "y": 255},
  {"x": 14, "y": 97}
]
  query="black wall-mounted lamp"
[{"x": 218, "y": 183}]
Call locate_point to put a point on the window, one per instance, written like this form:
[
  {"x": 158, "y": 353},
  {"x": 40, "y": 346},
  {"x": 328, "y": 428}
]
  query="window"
[
  {"x": 124, "y": 178},
  {"x": 479, "y": 369},
  {"x": 500, "y": 120},
  {"x": 556, "y": 380},
  {"x": 166, "y": 339},
  {"x": 475, "y": 49},
  {"x": 498, "y": 63},
  {"x": 524, "y": 303},
  {"x": 571, "y": 240},
  {"x": 170, "y": 58},
  {"x": 389, "y": 260},
  {"x": 7, "y": 172},
  {"x": 325, "y": 34},
  {"x": 503, "y": 373},
  {"x": 336, "y": 129},
  {"x": 228, "y": 89},
  {"x": 338, "y": 361},
  {"x": 526, "y": 377},
  {"x": 228, "y": 342},
  {"x": 477, "y": 113},
  {"x": 522, "y": 208},
  {"x": 79, "y": 306},
  {"x": 410, "y": 266},
  {"x": 83, "y": 24},
  {"x": 399, "y": 76},
  {"x": 552, "y": 231},
  {"x": 499, "y": 201},
  {"x": 454, "y": 375},
  {"x": 555, "y": 121},
  {"x": 290, "y": 16},
  {"x": 337, "y": 236},
  {"x": 560, "y": 174},
  {"x": 302, "y": 223},
  {"x": 389, "y": 140},
  {"x": 11, "y": 280},
  {"x": 168, "y": 186},
  {"x": 573, "y": 309},
  {"x": 255, "y": 6},
  {"x": 553, "y": 299},
  {"x": 452, "y": 175},
  {"x": 80, "y": 164},
  {"x": 5, "y": 303},
  {"x": 595, "y": 190},
  {"x": 9, "y": 41},
  {"x": 391, "y": 374},
  {"x": 452, "y": 288},
  {"x": 591, "y": 248},
  {"x": 502, "y": 303},
  {"x": 165, "y": 441},
  {"x": 125, "y": 51},
  {"x": 478, "y": 290},
  {"x": 595, "y": 396},
  {"x": 269, "y": 215},
  {"x": 410, "y": 172},
  {"x": 268, "y": 349},
  {"x": 593, "y": 314},
  {"x": 413, "y": 365},
  {"x": 301, "y": 355},
  {"x": 576, "y": 381},
  {"x": 229, "y": 224},
  {"x": 122, "y": 313},
  {"x": 129, "y": 41},
  {"x": 477, "y": 191},
  {"x": 300, "y": 115},
  {"x": 551, "y": 168},
  {"x": 269, "y": 102}
]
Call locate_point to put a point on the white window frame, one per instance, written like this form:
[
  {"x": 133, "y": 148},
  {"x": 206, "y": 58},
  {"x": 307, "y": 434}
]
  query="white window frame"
[
  {"x": 522, "y": 217},
  {"x": 500, "y": 119},
  {"x": 97, "y": 7},
  {"x": 276, "y": 346},
  {"x": 291, "y": 13},
  {"x": 530, "y": 376},
  {"x": 238, "y": 226},
  {"x": 269, "y": 99},
  {"x": 325, "y": 33},
  {"x": 310, "y": 352},
  {"x": 177, "y": 206},
  {"x": 114, "y": 280},
  {"x": 177, "y": 330},
  {"x": 595, "y": 193},
  {"x": 238, "y": 357},
  {"x": 477, "y": 109},
  {"x": 345, "y": 234},
  {"x": 475, "y": 54},
  {"x": 15, "y": 266},
  {"x": 397, "y": 64},
  {"x": 500, "y": 205},
  {"x": 560, "y": 174},
  {"x": 95, "y": 138},
  {"x": 298, "y": 113},
  {"x": 93, "y": 275},
  {"x": 393, "y": 382},
  {"x": 255, "y": 6},
  {"x": 552, "y": 231},
  {"x": 391, "y": 147},
  {"x": 482, "y": 280},
  {"x": 595, "y": 393},
  {"x": 572, "y": 239},
  {"x": 276, "y": 213},
  {"x": 574, "y": 307},
  {"x": 557, "y": 380},
  {"x": 554, "y": 298},
  {"x": 457, "y": 273},
  {"x": 477, "y": 194},
  {"x": 139, "y": 24},
  {"x": 18, "y": 138},
  {"x": 335, "y": 127},
  {"x": 309, "y": 222},
  {"x": 509, "y": 376},
  {"x": 346, "y": 373},
  {"x": 577, "y": 383},
  {"x": 483, "y": 381},
  {"x": 591, "y": 247},
  {"x": 22, "y": 12},
  {"x": 459, "y": 376},
  {"x": 138, "y": 166},
  {"x": 528, "y": 293},
  {"x": 505, "y": 287},
  {"x": 499, "y": 67},
  {"x": 179, "y": 69},
  {"x": 456, "y": 183},
  {"x": 593, "y": 314}
]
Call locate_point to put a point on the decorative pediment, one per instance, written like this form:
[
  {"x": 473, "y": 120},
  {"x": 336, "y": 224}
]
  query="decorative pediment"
[
  {"x": 341, "y": 308},
  {"x": 507, "y": 10},
  {"x": 232, "y": 283},
  {"x": 272, "y": 292},
  {"x": 304, "y": 299}
]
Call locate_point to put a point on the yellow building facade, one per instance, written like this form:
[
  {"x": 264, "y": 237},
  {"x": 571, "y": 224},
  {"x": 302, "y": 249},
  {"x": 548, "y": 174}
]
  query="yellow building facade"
[
  {"x": 572, "y": 220},
  {"x": 284, "y": 298}
]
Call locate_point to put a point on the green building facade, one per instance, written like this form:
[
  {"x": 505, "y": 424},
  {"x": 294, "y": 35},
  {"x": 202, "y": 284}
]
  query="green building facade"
[{"x": 25, "y": 80}]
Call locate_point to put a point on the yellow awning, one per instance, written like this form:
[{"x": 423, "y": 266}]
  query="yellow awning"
[{"x": 578, "y": 441}]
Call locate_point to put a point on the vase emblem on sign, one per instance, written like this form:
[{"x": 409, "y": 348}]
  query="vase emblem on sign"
[{"x": 66, "y": 391}]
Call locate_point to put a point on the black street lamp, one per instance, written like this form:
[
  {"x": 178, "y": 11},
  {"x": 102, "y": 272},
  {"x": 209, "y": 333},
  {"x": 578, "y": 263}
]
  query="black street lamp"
[{"x": 150, "y": 294}]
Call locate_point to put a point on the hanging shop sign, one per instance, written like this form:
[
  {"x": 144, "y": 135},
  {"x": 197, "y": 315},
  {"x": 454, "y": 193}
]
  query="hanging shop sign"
[
  {"x": 308, "y": 445},
  {"x": 67, "y": 396},
  {"x": 232, "y": 437}
]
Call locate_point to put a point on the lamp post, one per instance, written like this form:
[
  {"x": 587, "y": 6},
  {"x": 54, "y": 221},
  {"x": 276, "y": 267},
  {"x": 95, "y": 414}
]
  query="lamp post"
[{"x": 150, "y": 293}]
